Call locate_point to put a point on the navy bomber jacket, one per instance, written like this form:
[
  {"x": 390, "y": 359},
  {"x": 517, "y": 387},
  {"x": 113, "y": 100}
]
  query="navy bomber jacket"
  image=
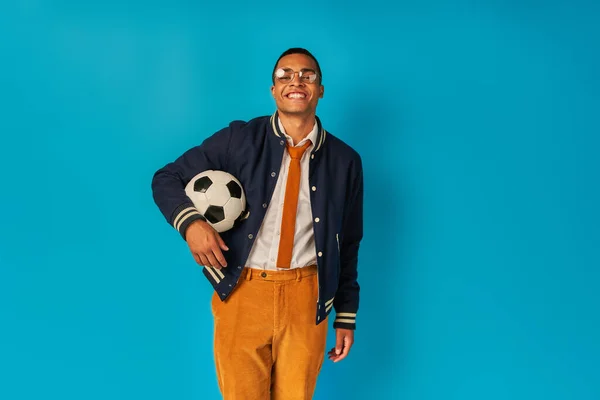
[{"x": 252, "y": 152}]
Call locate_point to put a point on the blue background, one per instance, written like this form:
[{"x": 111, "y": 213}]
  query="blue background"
[{"x": 478, "y": 124}]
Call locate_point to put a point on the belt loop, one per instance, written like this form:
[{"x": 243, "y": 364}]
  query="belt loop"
[
  {"x": 298, "y": 278},
  {"x": 248, "y": 273}
]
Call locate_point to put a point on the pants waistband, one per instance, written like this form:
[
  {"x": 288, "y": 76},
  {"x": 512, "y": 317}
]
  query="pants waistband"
[{"x": 280, "y": 275}]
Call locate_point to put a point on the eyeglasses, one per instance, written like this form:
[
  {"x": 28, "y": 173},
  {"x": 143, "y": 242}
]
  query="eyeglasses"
[{"x": 287, "y": 75}]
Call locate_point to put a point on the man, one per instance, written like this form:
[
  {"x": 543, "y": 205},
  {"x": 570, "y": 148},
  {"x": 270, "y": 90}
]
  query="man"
[{"x": 292, "y": 258}]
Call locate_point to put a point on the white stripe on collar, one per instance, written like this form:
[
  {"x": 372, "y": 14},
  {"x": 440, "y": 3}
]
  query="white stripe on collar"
[
  {"x": 278, "y": 131},
  {"x": 312, "y": 135}
]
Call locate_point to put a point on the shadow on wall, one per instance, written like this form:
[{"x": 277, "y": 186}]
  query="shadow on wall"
[{"x": 374, "y": 129}]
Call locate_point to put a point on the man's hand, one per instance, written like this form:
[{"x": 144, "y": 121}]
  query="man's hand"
[
  {"x": 344, "y": 338},
  {"x": 206, "y": 244}
]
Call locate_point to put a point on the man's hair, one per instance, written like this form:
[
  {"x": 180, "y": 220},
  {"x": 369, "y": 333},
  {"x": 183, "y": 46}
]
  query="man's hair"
[{"x": 297, "y": 50}]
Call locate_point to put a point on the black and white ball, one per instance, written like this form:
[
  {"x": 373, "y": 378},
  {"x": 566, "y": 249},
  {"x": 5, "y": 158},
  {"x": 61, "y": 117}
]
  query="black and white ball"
[{"x": 218, "y": 196}]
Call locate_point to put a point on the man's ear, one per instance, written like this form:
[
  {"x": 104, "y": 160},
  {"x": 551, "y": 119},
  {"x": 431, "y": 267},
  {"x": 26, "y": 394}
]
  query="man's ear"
[
  {"x": 273, "y": 90},
  {"x": 322, "y": 92}
]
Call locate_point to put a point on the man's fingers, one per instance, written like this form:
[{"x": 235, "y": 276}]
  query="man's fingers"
[
  {"x": 341, "y": 349},
  {"x": 339, "y": 342},
  {"x": 219, "y": 257},
  {"x": 332, "y": 356},
  {"x": 197, "y": 258},
  {"x": 222, "y": 244},
  {"x": 212, "y": 260},
  {"x": 345, "y": 351},
  {"x": 203, "y": 259},
  {"x": 208, "y": 259}
]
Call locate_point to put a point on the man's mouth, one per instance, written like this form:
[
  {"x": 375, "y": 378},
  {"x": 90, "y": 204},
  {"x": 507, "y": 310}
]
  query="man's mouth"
[{"x": 295, "y": 95}]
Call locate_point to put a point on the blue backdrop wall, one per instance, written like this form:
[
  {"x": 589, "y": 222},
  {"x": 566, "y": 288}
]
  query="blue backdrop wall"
[{"x": 478, "y": 125}]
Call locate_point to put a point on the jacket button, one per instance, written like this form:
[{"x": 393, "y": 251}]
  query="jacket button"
[
  {"x": 264, "y": 274},
  {"x": 281, "y": 143},
  {"x": 312, "y": 156},
  {"x": 250, "y": 236},
  {"x": 314, "y": 188},
  {"x": 317, "y": 219},
  {"x": 320, "y": 254},
  {"x": 273, "y": 174},
  {"x": 264, "y": 205}
]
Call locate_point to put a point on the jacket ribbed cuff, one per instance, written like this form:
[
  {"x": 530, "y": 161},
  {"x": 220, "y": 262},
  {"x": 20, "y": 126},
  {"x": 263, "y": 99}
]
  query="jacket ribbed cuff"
[
  {"x": 183, "y": 216},
  {"x": 345, "y": 320}
]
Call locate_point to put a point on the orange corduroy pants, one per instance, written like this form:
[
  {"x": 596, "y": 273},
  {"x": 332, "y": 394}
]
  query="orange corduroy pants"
[{"x": 266, "y": 343}]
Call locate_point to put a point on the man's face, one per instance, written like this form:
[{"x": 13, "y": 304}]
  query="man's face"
[{"x": 293, "y": 94}]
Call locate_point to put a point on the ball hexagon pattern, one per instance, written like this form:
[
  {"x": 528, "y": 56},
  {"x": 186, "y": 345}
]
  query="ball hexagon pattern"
[{"x": 218, "y": 196}]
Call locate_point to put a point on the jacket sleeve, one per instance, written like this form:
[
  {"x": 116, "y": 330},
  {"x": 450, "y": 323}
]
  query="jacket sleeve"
[
  {"x": 168, "y": 183},
  {"x": 347, "y": 296}
]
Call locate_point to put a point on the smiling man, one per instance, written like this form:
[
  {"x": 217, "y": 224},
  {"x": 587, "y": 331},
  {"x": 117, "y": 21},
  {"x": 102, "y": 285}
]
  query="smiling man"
[{"x": 292, "y": 259}]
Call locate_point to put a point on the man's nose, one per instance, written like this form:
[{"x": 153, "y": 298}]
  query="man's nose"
[{"x": 296, "y": 81}]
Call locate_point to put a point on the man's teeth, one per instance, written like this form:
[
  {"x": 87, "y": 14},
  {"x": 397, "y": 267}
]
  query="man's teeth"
[{"x": 296, "y": 96}]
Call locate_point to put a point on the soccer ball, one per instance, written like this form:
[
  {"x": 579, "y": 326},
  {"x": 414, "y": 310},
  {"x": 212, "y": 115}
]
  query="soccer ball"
[{"x": 218, "y": 196}]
